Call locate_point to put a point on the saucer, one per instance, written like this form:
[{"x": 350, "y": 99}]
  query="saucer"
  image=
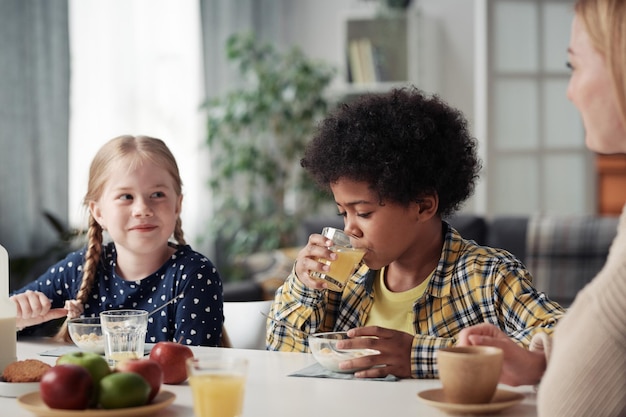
[{"x": 502, "y": 399}]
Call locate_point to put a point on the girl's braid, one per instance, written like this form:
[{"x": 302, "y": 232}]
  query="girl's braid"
[
  {"x": 178, "y": 232},
  {"x": 90, "y": 266}
]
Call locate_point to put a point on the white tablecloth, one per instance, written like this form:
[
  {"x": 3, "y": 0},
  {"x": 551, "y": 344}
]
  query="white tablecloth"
[{"x": 271, "y": 392}]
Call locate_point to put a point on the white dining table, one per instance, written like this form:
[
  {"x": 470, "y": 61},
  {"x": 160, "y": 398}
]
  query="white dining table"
[{"x": 272, "y": 392}]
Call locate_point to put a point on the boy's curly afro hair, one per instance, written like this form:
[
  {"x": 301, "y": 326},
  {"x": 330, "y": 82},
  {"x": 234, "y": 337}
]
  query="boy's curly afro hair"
[{"x": 404, "y": 144}]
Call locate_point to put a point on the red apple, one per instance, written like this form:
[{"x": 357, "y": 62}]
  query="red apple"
[
  {"x": 95, "y": 364},
  {"x": 172, "y": 356},
  {"x": 149, "y": 369},
  {"x": 67, "y": 386}
]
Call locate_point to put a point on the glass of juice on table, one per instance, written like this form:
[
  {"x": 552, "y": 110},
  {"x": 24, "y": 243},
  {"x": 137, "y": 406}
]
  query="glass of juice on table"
[
  {"x": 348, "y": 259},
  {"x": 124, "y": 334},
  {"x": 217, "y": 385}
]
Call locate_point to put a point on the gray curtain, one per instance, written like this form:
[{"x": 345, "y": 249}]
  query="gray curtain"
[
  {"x": 34, "y": 120},
  {"x": 219, "y": 20},
  {"x": 222, "y": 18}
]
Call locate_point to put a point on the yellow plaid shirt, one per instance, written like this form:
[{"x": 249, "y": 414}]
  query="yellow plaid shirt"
[{"x": 472, "y": 284}]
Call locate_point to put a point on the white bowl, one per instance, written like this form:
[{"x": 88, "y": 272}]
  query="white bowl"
[
  {"x": 86, "y": 333},
  {"x": 324, "y": 349},
  {"x": 15, "y": 389}
]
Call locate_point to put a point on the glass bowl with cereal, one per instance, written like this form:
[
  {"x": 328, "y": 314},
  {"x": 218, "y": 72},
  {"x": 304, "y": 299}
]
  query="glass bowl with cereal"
[
  {"x": 86, "y": 333},
  {"x": 325, "y": 351}
]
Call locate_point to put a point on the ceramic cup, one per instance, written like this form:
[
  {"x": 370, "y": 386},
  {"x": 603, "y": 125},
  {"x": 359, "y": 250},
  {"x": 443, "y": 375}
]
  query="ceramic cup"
[
  {"x": 217, "y": 385},
  {"x": 124, "y": 334},
  {"x": 348, "y": 259},
  {"x": 469, "y": 374}
]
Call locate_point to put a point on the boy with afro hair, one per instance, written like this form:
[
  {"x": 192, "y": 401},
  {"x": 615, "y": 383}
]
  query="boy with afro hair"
[{"x": 397, "y": 164}]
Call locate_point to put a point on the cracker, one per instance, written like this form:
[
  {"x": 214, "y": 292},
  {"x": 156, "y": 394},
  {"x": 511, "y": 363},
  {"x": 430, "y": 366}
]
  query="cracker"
[{"x": 29, "y": 370}]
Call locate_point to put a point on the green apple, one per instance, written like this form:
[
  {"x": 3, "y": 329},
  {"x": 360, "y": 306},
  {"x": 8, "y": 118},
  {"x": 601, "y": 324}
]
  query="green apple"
[
  {"x": 96, "y": 365},
  {"x": 122, "y": 390}
]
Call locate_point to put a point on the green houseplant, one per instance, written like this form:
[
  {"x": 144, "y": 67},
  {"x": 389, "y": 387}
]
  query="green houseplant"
[{"x": 256, "y": 134}]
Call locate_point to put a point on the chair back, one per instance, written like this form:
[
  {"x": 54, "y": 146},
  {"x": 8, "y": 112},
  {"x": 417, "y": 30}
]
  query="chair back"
[{"x": 244, "y": 323}]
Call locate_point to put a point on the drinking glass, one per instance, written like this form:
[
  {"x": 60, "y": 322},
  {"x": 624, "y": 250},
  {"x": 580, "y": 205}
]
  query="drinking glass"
[
  {"x": 124, "y": 334},
  {"x": 348, "y": 259},
  {"x": 217, "y": 385}
]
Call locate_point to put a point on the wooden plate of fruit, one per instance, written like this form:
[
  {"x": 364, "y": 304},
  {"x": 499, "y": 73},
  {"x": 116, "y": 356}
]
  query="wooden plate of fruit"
[{"x": 33, "y": 403}]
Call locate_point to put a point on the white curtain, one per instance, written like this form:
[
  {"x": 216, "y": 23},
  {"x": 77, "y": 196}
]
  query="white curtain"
[
  {"x": 34, "y": 112},
  {"x": 137, "y": 69}
]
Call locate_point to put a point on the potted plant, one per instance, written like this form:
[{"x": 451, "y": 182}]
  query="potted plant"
[{"x": 256, "y": 134}]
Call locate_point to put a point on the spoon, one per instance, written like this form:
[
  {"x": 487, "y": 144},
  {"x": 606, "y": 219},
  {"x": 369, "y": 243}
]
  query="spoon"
[
  {"x": 287, "y": 325},
  {"x": 166, "y": 304},
  {"x": 292, "y": 327}
]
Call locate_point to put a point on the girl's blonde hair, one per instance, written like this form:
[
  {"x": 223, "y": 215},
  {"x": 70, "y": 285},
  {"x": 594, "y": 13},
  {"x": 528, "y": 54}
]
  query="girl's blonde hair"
[
  {"x": 133, "y": 150},
  {"x": 605, "y": 22}
]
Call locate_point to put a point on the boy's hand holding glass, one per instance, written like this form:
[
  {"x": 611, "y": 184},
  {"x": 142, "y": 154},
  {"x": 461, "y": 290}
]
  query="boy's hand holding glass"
[{"x": 328, "y": 260}]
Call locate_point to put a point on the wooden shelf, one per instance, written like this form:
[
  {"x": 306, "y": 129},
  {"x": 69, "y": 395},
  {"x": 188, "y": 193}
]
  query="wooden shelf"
[
  {"x": 611, "y": 171},
  {"x": 388, "y": 51},
  {"x": 377, "y": 50}
]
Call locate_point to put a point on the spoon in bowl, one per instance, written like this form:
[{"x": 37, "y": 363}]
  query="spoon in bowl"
[
  {"x": 286, "y": 324},
  {"x": 294, "y": 328}
]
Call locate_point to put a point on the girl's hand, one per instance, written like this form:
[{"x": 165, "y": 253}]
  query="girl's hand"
[
  {"x": 33, "y": 308},
  {"x": 520, "y": 367},
  {"x": 307, "y": 261},
  {"x": 394, "y": 347},
  {"x": 74, "y": 308}
]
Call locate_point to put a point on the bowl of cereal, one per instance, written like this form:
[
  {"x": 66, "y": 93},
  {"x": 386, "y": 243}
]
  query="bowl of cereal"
[
  {"x": 86, "y": 333},
  {"x": 324, "y": 349}
]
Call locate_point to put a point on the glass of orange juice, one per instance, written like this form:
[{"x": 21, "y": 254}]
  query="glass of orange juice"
[
  {"x": 217, "y": 385},
  {"x": 348, "y": 259}
]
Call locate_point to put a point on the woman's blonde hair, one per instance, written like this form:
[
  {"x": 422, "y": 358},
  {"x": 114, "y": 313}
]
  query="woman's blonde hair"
[
  {"x": 133, "y": 150},
  {"x": 605, "y": 22}
]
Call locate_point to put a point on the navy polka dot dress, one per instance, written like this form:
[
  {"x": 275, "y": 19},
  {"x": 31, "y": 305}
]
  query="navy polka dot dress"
[{"x": 195, "y": 319}]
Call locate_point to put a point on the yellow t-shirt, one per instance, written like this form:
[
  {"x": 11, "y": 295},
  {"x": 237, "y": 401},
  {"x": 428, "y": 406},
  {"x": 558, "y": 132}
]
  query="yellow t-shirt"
[{"x": 394, "y": 310}]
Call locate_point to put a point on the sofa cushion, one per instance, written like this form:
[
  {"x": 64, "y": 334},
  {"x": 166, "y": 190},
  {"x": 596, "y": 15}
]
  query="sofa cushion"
[
  {"x": 564, "y": 253},
  {"x": 239, "y": 291},
  {"x": 509, "y": 233},
  {"x": 470, "y": 227}
]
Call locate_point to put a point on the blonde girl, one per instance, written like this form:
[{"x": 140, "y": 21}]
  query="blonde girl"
[{"x": 134, "y": 195}]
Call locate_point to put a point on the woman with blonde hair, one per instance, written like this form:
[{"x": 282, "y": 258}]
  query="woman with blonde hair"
[
  {"x": 582, "y": 368},
  {"x": 134, "y": 194}
]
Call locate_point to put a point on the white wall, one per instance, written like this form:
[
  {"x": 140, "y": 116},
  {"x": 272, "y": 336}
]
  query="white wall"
[
  {"x": 454, "y": 19},
  {"x": 459, "y": 53},
  {"x": 318, "y": 27}
]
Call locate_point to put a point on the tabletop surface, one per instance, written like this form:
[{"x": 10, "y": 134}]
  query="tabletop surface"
[{"x": 270, "y": 391}]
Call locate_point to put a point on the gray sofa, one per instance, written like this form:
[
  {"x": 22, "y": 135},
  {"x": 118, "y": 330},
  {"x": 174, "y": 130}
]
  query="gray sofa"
[{"x": 562, "y": 252}]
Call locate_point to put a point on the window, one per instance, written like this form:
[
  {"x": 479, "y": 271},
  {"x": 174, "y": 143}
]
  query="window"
[{"x": 536, "y": 156}]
